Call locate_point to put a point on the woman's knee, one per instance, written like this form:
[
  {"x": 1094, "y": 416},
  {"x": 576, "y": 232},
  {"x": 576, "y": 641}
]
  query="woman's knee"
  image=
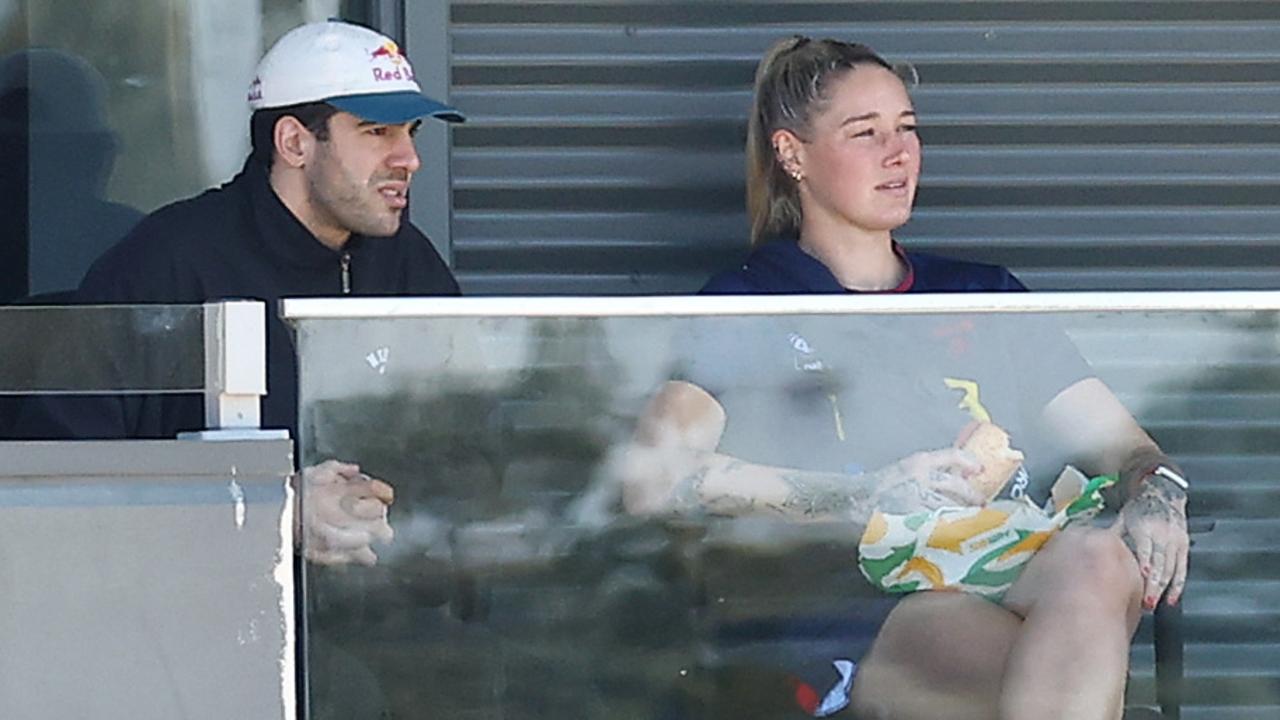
[
  {"x": 1094, "y": 564},
  {"x": 937, "y": 645}
]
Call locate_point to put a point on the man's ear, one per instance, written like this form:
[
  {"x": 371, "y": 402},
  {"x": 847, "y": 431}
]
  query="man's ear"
[
  {"x": 789, "y": 152},
  {"x": 294, "y": 143}
]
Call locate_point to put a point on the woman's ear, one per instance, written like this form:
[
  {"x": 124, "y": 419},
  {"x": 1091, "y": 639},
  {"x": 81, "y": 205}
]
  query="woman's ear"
[
  {"x": 789, "y": 152},
  {"x": 293, "y": 142}
]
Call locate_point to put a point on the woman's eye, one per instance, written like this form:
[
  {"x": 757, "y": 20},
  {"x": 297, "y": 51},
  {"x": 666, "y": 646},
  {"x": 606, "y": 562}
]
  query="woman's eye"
[
  {"x": 908, "y": 128},
  {"x": 869, "y": 132}
]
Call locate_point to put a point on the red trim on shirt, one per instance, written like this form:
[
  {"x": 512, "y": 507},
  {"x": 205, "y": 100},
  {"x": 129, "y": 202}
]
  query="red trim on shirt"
[{"x": 910, "y": 278}]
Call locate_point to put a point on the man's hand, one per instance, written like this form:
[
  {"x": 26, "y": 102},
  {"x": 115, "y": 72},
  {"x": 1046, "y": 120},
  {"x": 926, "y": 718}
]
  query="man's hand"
[
  {"x": 344, "y": 512},
  {"x": 927, "y": 481},
  {"x": 1154, "y": 526}
]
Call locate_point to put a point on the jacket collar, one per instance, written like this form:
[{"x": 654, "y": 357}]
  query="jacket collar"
[{"x": 280, "y": 232}]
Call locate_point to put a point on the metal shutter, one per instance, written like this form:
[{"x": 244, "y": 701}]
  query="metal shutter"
[{"x": 1107, "y": 145}]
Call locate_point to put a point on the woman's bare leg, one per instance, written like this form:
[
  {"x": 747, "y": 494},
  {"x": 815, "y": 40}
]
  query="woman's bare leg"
[
  {"x": 958, "y": 656},
  {"x": 939, "y": 655},
  {"x": 1080, "y": 597}
]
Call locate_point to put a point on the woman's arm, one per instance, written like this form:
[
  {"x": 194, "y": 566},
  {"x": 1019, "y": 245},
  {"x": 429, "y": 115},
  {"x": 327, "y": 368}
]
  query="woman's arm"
[
  {"x": 672, "y": 466},
  {"x": 1097, "y": 430}
]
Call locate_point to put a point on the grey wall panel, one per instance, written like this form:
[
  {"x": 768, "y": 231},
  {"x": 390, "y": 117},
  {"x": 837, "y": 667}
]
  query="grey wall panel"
[
  {"x": 1085, "y": 144},
  {"x": 146, "y": 580}
]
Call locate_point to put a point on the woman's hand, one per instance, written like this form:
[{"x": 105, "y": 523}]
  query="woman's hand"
[
  {"x": 927, "y": 481},
  {"x": 1153, "y": 523}
]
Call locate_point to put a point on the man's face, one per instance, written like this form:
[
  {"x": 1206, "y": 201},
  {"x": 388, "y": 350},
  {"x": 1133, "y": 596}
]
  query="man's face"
[{"x": 358, "y": 180}]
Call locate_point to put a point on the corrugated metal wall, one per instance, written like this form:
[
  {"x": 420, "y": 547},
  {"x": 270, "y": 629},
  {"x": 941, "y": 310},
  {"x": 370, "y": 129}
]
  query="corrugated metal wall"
[
  {"x": 1207, "y": 387},
  {"x": 1086, "y": 144}
]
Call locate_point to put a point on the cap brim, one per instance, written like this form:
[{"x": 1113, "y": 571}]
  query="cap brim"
[{"x": 395, "y": 108}]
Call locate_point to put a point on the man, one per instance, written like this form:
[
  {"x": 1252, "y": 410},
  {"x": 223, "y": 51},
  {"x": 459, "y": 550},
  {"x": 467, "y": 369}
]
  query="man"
[{"x": 316, "y": 211}]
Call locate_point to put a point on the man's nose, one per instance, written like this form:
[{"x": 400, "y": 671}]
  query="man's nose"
[{"x": 405, "y": 154}]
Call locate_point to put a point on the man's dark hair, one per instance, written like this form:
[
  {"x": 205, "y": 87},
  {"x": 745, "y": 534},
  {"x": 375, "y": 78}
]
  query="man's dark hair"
[{"x": 314, "y": 116}]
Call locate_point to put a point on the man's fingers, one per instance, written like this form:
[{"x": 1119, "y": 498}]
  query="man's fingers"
[
  {"x": 325, "y": 557},
  {"x": 382, "y": 532},
  {"x": 330, "y": 472},
  {"x": 364, "y": 508},
  {"x": 332, "y": 537},
  {"x": 362, "y": 556},
  {"x": 381, "y": 490}
]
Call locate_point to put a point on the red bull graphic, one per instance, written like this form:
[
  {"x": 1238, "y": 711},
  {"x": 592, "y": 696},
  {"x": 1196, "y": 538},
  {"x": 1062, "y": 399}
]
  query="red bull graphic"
[
  {"x": 255, "y": 90},
  {"x": 389, "y": 64},
  {"x": 388, "y": 50}
]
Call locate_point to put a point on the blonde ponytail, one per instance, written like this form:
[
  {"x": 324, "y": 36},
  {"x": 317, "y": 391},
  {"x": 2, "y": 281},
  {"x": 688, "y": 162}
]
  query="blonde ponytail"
[{"x": 790, "y": 86}]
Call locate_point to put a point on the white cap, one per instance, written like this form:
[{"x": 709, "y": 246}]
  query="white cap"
[{"x": 350, "y": 67}]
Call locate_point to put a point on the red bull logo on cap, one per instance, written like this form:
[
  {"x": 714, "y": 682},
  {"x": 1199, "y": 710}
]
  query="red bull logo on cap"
[
  {"x": 388, "y": 50},
  {"x": 399, "y": 68}
]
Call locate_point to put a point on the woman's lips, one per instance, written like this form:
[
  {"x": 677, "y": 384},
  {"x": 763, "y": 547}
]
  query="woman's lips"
[{"x": 894, "y": 187}]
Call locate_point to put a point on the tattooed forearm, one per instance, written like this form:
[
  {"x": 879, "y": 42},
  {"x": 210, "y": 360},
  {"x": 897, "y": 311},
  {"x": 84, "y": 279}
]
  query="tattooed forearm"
[
  {"x": 687, "y": 494},
  {"x": 813, "y": 495},
  {"x": 723, "y": 485}
]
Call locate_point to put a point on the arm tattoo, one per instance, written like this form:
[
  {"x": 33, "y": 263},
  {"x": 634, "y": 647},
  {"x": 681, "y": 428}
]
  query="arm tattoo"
[
  {"x": 687, "y": 494},
  {"x": 1157, "y": 502},
  {"x": 815, "y": 495}
]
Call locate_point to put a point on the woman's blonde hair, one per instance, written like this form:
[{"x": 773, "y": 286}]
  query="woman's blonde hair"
[{"x": 790, "y": 89}]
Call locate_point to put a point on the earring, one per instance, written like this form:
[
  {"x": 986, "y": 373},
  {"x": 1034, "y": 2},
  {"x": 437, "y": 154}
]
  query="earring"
[{"x": 797, "y": 175}]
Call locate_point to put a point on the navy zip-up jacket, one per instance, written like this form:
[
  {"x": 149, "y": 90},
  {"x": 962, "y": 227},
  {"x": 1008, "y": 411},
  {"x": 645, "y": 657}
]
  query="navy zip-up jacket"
[{"x": 238, "y": 241}]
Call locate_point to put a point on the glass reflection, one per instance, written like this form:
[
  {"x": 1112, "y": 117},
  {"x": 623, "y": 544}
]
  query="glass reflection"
[
  {"x": 102, "y": 350},
  {"x": 112, "y": 109},
  {"x": 530, "y": 573}
]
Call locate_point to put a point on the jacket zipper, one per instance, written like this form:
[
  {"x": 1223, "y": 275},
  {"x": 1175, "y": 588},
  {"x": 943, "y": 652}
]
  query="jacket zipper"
[{"x": 346, "y": 273}]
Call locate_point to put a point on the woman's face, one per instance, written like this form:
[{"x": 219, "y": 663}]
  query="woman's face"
[{"x": 861, "y": 160}]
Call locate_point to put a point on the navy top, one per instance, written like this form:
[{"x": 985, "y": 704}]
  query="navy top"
[
  {"x": 781, "y": 267},
  {"x": 851, "y": 393}
]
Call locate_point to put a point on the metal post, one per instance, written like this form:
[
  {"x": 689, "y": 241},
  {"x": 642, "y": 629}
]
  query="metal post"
[
  {"x": 385, "y": 16},
  {"x": 235, "y": 375},
  {"x": 426, "y": 26}
]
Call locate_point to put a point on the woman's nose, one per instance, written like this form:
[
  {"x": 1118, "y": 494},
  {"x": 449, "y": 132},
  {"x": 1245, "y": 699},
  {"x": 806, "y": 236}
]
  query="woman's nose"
[{"x": 896, "y": 153}]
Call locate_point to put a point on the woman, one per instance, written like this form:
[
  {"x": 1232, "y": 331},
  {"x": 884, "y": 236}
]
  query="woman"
[{"x": 833, "y": 163}]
